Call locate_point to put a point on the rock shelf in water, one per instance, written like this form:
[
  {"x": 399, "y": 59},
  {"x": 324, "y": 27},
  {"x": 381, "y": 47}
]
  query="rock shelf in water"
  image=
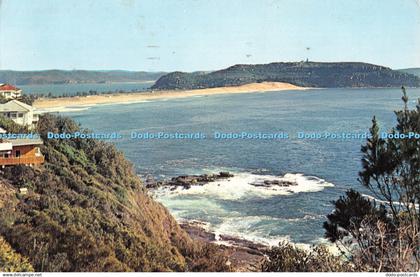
[{"x": 187, "y": 181}]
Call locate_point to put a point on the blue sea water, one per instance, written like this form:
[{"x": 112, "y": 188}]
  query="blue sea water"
[
  {"x": 234, "y": 207},
  {"x": 73, "y": 89}
]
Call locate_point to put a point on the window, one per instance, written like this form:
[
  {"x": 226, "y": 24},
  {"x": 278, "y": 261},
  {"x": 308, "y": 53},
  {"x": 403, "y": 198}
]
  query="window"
[
  {"x": 6, "y": 155},
  {"x": 20, "y": 114},
  {"x": 17, "y": 153},
  {"x": 13, "y": 115}
]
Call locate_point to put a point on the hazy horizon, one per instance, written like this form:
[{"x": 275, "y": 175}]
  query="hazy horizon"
[
  {"x": 160, "y": 71},
  {"x": 197, "y": 35}
]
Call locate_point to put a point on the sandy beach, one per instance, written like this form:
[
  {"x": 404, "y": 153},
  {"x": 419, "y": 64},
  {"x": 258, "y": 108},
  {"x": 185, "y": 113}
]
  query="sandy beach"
[{"x": 80, "y": 101}]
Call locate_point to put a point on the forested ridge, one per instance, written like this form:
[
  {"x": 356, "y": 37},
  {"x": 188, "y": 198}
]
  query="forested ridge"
[{"x": 305, "y": 74}]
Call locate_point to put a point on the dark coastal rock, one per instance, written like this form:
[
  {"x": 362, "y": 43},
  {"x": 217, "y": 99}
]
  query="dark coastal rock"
[
  {"x": 252, "y": 247},
  {"x": 150, "y": 182},
  {"x": 225, "y": 174},
  {"x": 196, "y": 230},
  {"x": 186, "y": 181},
  {"x": 271, "y": 183},
  {"x": 245, "y": 255}
]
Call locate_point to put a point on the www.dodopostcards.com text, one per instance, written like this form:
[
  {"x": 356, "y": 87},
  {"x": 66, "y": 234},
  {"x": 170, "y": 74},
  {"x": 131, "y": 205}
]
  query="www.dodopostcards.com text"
[{"x": 215, "y": 135}]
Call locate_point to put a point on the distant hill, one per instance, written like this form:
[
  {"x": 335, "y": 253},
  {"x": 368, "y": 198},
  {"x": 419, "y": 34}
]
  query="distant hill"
[
  {"x": 75, "y": 76},
  {"x": 307, "y": 74},
  {"x": 414, "y": 71}
]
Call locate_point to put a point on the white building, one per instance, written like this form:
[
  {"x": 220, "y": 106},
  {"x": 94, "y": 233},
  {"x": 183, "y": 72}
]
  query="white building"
[
  {"x": 10, "y": 92},
  {"x": 5, "y": 146},
  {"x": 20, "y": 113}
]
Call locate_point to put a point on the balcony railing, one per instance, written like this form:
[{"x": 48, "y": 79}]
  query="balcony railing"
[{"x": 21, "y": 160}]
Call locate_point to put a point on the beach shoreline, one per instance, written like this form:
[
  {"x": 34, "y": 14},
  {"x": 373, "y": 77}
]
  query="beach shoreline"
[{"x": 121, "y": 98}]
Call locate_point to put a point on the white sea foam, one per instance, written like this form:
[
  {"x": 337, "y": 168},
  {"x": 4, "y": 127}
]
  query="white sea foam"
[
  {"x": 200, "y": 202},
  {"x": 65, "y": 109},
  {"x": 243, "y": 227},
  {"x": 84, "y": 107},
  {"x": 240, "y": 186},
  {"x": 125, "y": 102},
  {"x": 386, "y": 203}
]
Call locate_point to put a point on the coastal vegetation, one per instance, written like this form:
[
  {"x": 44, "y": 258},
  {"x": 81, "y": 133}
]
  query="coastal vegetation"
[
  {"x": 287, "y": 257},
  {"x": 380, "y": 234},
  {"x": 304, "y": 74},
  {"x": 11, "y": 261},
  {"x": 413, "y": 71},
  {"x": 86, "y": 210},
  {"x": 26, "y": 98},
  {"x": 386, "y": 235}
]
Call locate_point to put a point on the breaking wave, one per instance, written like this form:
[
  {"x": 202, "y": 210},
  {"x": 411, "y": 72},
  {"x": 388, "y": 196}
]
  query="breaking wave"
[
  {"x": 206, "y": 205},
  {"x": 247, "y": 185}
]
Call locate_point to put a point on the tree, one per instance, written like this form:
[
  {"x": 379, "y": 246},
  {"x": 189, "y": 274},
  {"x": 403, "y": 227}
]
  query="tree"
[
  {"x": 348, "y": 215},
  {"x": 391, "y": 165},
  {"x": 28, "y": 99},
  {"x": 384, "y": 237},
  {"x": 3, "y": 99}
]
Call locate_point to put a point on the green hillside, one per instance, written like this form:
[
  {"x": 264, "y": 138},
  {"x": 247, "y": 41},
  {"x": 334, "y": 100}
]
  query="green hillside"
[
  {"x": 86, "y": 210},
  {"x": 414, "y": 71},
  {"x": 306, "y": 74}
]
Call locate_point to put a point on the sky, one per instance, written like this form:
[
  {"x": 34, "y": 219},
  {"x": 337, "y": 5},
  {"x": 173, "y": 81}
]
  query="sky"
[{"x": 190, "y": 35}]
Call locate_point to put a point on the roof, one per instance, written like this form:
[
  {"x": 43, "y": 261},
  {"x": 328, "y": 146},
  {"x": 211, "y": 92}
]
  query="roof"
[
  {"x": 5, "y": 146},
  {"x": 26, "y": 141},
  {"x": 8, "y": 87},
  {"x": 15, "y": 106}
]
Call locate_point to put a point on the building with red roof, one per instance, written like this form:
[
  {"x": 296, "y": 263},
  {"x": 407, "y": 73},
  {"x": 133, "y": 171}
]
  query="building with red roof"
[{"x": 10, "y": 92}]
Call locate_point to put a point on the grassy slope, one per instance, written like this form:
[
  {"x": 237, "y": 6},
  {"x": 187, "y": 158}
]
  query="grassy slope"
[{"x": 88, "y": 211}]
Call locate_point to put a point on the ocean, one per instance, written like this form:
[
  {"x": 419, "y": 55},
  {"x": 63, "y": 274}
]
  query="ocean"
[
  {"x": 73, "y": 89},
  {"x": 323, "y": 168}
]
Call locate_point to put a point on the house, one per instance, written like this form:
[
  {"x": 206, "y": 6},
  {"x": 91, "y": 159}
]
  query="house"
[
  {"x": 20, "y": 113},
  {"x": 10, "y": 92},
  {"x": 20, "y": 151}
]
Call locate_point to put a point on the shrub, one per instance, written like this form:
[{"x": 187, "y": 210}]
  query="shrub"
[
  {"x": 384, "y": 238},
  {"x": 10, "y": 261},
  {"x": 289, "y": 258}
]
